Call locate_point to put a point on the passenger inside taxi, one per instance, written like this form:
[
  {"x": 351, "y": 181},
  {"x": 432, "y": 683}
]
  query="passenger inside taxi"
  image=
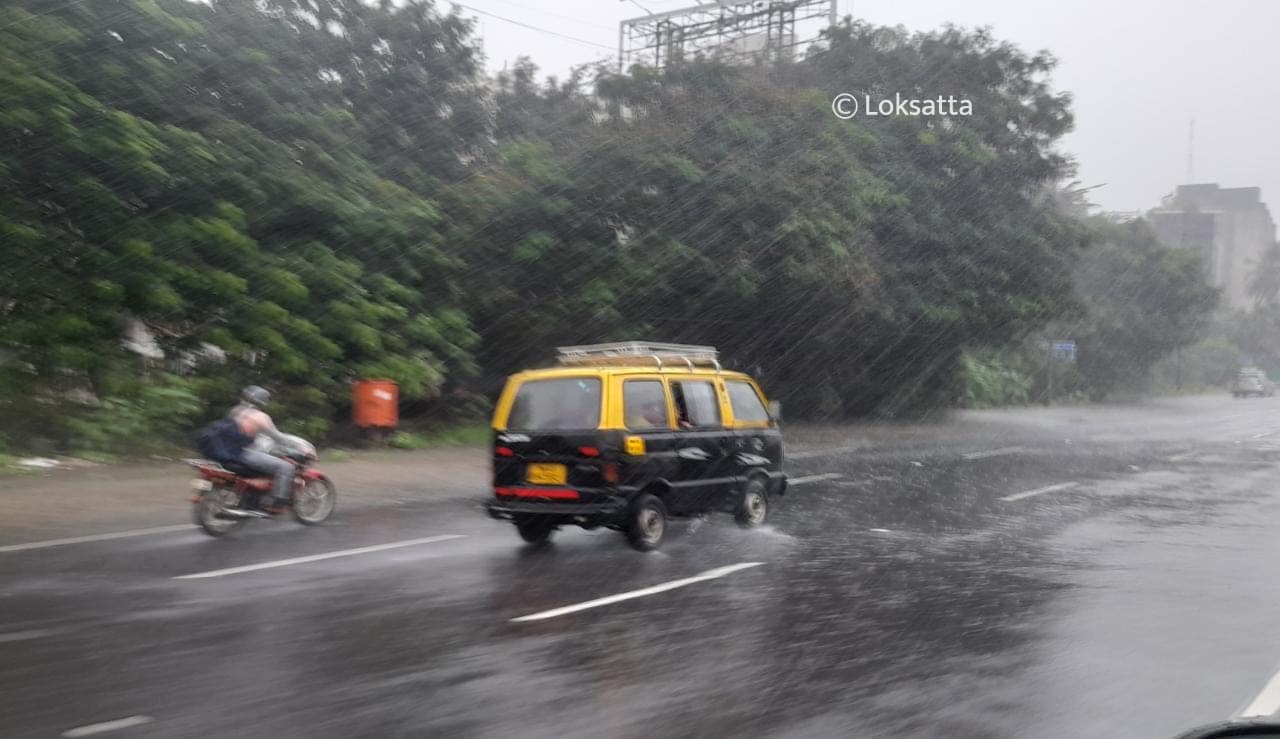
[{"x": 649, "y": 415}]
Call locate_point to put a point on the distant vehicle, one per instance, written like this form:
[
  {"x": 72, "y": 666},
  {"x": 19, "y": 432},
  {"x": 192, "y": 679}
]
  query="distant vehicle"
[
  {"x": 625, "y": 435},
  {"x": 1252, "y": 381},
  {"x": 225, "y": 497}
]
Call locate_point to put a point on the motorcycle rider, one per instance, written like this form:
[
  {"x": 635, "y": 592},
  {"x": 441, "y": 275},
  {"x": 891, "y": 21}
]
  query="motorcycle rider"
[{"x": 231, "y": 439}]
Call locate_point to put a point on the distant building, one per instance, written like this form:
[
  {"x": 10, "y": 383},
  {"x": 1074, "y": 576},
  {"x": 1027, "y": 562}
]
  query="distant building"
[
  {"x": 1229, "y": 226},
  {"x": 1121, "y": 216}
]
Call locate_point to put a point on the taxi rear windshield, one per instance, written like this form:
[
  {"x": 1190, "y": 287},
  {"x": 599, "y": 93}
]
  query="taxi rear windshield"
[{"x": 556, "y": 405}]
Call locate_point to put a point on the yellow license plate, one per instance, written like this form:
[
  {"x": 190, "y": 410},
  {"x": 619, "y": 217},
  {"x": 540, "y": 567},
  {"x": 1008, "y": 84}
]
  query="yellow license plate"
[{"x": 544, "y": 473}]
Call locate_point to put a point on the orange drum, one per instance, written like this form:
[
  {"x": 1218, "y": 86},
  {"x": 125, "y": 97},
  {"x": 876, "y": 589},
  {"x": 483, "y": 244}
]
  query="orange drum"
[{"x": 375, "y": 404}]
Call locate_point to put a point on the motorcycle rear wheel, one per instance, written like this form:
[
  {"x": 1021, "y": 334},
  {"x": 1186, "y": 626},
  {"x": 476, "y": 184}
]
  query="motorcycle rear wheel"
[{"x": 207, "y": 508}]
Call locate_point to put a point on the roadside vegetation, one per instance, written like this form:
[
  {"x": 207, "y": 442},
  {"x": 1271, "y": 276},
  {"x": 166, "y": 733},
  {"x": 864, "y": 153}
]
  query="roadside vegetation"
[{"x": 195, "y": 196}]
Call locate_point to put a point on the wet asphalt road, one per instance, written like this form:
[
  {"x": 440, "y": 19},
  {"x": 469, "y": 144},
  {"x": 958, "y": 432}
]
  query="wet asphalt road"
[{"x": 1041, "y": 572}]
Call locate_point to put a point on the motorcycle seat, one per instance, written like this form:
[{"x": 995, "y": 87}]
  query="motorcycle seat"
[{"x": 240, "y": 470}]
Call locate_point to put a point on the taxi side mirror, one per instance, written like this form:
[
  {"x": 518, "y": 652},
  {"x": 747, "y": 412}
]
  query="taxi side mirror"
[{"x": 775, "y": 410}]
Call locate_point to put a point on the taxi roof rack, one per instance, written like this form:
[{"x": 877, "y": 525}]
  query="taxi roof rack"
[{"x": 632, "y": 352}]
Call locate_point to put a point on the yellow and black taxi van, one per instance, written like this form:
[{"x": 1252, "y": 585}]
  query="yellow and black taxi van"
[{"x": 625, "y": 435}]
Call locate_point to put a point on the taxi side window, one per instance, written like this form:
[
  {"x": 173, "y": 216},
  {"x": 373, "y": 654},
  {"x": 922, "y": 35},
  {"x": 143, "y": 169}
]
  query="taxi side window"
[
  {"x": 645, "y": 405},
  {"x": 745, "y": 403},
  {"x": 696, "y": 404}
]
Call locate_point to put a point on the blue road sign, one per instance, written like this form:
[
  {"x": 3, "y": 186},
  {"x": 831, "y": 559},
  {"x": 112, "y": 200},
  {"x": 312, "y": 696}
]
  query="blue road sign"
[{"x": 1064, "y": 351}]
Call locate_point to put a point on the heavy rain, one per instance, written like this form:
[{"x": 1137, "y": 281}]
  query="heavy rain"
[{"x": 639, "y": 368}]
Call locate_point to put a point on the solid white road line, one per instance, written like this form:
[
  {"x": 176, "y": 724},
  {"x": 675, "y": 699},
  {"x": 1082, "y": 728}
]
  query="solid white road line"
[
  {"x": 319, "y": 557},
  {"x": 823, "y": 452},
  {"x": 102, "y": 728},
  {"x": 813, "y": 478},
  {"x": 993, "y": 452},
  {"x": 94, "y": 537},
  {"x": 662, "y": 588},
  {"x": 1040, "y": 491},
  {"x": 1267, "y": 702}
]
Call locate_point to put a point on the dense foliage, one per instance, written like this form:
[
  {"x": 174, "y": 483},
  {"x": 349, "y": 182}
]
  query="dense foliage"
[
  {"x": 1140, "y": 304},
  {"x": 850, "y": 262},
  {"x": 1145, "y": 301},
  {"x": 198, "y": 195},
  {"x": 1255, "y": 333},
  {"x": 208, "y": 173}
]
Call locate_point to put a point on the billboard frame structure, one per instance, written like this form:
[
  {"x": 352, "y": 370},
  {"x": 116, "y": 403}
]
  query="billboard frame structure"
[{"x": 714, "y": 27}]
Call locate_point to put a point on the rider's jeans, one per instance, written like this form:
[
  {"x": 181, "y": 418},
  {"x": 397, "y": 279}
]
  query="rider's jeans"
[{"x": 279, "y": 469}]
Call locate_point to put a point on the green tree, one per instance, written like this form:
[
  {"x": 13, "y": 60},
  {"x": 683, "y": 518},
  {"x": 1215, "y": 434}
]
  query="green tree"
[
  {"x": 198, "y": 170},
  {"x": 1144, "y": 302},
  {"x": 852, "y": 261}
]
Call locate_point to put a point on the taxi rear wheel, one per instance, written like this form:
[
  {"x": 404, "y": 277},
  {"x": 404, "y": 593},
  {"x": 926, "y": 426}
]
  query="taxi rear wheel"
[
  {"x": 753, "y": 505},
  {"x": 646, "y": 522},
  {"x": 535, "y": 530}
]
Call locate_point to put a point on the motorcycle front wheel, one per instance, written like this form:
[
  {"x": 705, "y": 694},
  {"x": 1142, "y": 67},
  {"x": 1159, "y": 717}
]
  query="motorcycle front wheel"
[
  {"x": 209, "y": 511},
  {"x": 315, "y": 501}
]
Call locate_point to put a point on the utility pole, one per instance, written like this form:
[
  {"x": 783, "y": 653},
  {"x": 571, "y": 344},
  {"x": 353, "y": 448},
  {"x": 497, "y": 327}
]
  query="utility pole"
[{"x": 1049, "y": 371}]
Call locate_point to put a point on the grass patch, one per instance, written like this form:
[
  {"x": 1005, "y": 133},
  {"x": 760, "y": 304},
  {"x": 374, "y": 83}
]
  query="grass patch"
[
  {"x": 454, "y": 436},
  {"x": 407, "y": 440},
  {"x": 460, "y": 436},
  {"x": 9, "y": 465},
  {"x": 337, "y": 455},
  {"x": 97, "y": 457}
]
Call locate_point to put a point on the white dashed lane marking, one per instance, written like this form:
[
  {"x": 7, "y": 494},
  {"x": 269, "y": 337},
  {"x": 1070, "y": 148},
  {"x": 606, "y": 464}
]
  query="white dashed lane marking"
[
  {"x": 95, "y": 537},
  {"x": 1040, "y": 491},
  {"x": 629, "y": 595},
  {"x": 106, "y": 726},
  {"x": 1266, "y": 703},
  {"x": 811, "y": 453},
  {"x": 318, "y": 557},
  {"x": 989, "y": 453},
  {"x": 813, "y": 478},
  {"x": 13, "y": 636}
]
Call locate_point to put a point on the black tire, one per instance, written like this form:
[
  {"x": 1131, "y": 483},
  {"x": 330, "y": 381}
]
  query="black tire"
[
  {"x": 535, "y": 530},
  {"x": 205, "y": 510},
  {"x": 646, "y": 522},
  {"x": 315, "y": 502},
  {"x": 752, "y": 509}
]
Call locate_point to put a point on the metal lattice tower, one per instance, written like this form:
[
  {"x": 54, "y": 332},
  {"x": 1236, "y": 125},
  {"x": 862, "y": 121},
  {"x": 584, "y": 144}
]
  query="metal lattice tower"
[{"x": 738, "y": 29}]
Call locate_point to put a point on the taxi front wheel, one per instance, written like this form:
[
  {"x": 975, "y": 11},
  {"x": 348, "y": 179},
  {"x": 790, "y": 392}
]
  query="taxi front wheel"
[{"x": 646, "y": 522}]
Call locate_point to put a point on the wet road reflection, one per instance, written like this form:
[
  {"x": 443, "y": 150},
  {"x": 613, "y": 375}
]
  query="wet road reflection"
[{"x": 909, "y": 596}]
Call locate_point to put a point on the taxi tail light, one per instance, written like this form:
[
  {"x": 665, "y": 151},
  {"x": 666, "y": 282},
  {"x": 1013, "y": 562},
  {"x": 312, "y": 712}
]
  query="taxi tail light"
[
  {"x": 611, "y": 473},
  {"x": 588, "y": 451},
  {"x": 504, "y": 451}
]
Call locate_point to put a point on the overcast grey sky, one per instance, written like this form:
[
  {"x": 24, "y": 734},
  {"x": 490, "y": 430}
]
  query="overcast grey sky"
[{"x": 1140, "y": 70}]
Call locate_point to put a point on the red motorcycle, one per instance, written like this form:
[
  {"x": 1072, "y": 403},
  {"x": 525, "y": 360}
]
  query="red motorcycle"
[{"x": 226, "y": 498}]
